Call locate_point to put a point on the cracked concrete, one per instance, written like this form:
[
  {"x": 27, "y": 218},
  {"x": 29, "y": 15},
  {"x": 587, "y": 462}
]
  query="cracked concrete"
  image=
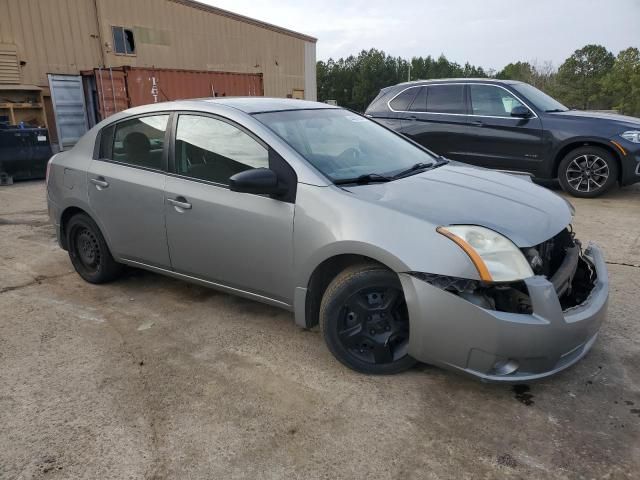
[{"x": 216, "y": 386}]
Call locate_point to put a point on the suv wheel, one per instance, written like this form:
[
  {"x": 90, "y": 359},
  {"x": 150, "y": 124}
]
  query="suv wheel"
[
  {"x": 364, "y": 319},
  {"x": 587, "y": 172},
  {"x": 89, "y": 252}
]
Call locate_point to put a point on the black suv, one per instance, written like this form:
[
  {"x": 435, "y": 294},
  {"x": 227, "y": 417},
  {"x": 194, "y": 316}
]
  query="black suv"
[{"x": 513, "y": 126}]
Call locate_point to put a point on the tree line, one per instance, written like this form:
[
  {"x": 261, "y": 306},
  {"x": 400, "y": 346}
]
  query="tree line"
[{"x": 592, "y": 78}]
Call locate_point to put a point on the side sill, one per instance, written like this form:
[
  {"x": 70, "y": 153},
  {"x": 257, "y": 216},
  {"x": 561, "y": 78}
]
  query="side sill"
[{"x": 207, "y": 283}]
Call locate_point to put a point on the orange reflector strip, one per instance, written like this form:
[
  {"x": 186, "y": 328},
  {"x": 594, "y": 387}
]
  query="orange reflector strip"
[
  {"x": 485, "y": 275},
  {"x": 624, "y": 152}
]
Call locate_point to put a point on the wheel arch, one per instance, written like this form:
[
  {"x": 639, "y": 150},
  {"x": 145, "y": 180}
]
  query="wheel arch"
[
  {"x": 307, "y": 301},
  {"x": 67, "y": 213},
  {"x": 575, "y": 144}
]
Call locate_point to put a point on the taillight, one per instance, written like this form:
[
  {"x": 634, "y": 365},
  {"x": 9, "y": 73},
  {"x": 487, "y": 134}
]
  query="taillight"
[{"x": 46, "y": 176}]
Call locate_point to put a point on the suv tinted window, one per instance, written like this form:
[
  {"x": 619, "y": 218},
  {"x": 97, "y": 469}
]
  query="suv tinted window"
[
  {"x": 139, "y": 141},
  {"x": 446, "y": 99},
  {"x": 402, "y": 101},
  {"x": 492, "y": 101},
  {"x": 213, "y": 150},
  {"x": 420, "y": 103}
]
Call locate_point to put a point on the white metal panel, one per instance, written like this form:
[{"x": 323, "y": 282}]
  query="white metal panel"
[{"x": 67, "y": 96}]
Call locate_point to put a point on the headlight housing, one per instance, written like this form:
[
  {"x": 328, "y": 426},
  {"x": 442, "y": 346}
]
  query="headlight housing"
[
  {"x": 496, "y": 258},
  {"x": 632, "y": 136}
]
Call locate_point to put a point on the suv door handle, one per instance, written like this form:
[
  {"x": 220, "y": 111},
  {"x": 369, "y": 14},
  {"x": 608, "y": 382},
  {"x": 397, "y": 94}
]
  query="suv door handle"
[
  {"x": 412, "y": 117},
  {"x": 477, "y": 123},
  {"x": 100, "y": 182},
  {"x": 179, "y": 203}
]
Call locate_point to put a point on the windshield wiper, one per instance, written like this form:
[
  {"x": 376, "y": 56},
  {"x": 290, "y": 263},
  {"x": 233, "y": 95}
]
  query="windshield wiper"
[
  {"x": 420, "y": 167},
  {"x": 363, "y": 179}
]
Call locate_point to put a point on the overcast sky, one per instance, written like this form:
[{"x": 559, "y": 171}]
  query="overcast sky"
[{"x": 488, "y": 33}]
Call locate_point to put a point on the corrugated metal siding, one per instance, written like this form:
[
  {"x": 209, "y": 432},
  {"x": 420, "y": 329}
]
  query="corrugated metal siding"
[
  {"x": 67, "y": 96},
  {"x": 52, "y": 36},
  {"x": 9, "y": 70},
  {"x": 179, "y": 36},
  {"x": 159, "y": 85}
]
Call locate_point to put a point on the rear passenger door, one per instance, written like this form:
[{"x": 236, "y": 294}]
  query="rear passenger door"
[
  {"x": 437, "y": 119},
  {"x": 126, "y": 188}
]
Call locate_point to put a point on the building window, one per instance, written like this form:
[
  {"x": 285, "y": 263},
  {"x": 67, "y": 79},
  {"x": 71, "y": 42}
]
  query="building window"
[{"x": 123, "y": 42}]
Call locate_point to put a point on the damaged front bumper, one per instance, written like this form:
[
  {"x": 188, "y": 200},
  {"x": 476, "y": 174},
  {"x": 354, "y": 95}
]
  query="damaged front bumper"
[{"x": 451, "y": 331}]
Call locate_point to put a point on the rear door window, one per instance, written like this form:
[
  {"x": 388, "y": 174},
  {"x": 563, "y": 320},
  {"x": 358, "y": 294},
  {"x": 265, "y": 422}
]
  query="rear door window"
[
  {"x": 446, "y": 99},
  {"x": 140, "y": 141},
  {"x": 403, "y": 100}
]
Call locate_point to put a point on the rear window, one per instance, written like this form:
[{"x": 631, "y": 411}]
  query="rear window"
[
  {"x": 420, "y": 102},
  {"x": 401, "y": 102},
  {"x": 446, "y": 99}
]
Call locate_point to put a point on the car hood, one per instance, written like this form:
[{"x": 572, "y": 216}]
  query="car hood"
[
  {"x": 611, "y": 117},
  {"x": 456, "y": 194}
]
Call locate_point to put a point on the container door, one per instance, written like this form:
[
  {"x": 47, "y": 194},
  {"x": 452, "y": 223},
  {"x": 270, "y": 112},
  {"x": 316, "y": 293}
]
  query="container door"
[
  {"x": 67, "y": 96},
  {"x": 111, "y": 91}
]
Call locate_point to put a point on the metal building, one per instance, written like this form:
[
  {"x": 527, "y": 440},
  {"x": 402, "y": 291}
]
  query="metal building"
[{"x": 94, "y": 56}]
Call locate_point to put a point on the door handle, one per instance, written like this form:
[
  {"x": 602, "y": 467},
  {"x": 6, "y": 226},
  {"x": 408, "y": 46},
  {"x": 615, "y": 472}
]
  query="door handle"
[
  {"x": 412, "y": 117},
  {"x": 179, "y": 203},
  {"x": 100, "y": 183},
  {"x": 477, "y": 123}
]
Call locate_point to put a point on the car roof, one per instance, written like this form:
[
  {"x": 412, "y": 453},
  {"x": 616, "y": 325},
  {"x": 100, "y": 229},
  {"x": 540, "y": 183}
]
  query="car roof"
[
  {"x": 459, "y": 80},
  {"x": 266, "y": 104}
]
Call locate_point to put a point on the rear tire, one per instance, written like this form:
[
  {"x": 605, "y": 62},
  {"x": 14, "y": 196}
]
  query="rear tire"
[
  {"x": 364, "y": 319},
  {"x": 89, "y": 252},
  {"x": 588, "y": 172}
]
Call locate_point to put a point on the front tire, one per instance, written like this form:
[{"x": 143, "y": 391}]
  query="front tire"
[
  {"x": 89, "y": 252},
  {"x": 588, "y": 172},
  {"x": 364, "y": 319}
]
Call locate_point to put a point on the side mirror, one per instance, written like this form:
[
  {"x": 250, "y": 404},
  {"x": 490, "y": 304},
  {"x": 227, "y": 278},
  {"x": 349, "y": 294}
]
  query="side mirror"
[
  {"x": 520, "y": 111},
  {"x": 259, "y": 181}
]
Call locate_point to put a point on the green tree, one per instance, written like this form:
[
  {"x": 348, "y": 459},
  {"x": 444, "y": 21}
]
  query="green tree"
[
  {"x": 580, "y": 78},
  {"x": 623, "y": 82},
  {"x": 522, "y": 71}
]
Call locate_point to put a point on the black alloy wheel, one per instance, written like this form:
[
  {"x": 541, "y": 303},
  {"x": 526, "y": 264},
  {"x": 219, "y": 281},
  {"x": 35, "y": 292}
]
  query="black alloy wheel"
[{"x": 365, "y": 320}]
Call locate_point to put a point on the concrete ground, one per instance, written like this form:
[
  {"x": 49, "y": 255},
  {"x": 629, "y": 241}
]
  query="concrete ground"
[{"x": 153, "y": 378}]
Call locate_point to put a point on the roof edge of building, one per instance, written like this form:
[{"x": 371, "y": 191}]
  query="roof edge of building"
[{"x": 242, "y": 18}]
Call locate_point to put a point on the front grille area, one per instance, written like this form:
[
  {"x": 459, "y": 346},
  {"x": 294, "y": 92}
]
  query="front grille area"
[{"x": 547, "y": 257}]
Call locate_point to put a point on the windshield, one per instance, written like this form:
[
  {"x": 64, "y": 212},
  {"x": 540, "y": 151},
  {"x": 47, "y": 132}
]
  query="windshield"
[
  {"x": 539, "y": 99},
  {"x": 343, "y": 145}
]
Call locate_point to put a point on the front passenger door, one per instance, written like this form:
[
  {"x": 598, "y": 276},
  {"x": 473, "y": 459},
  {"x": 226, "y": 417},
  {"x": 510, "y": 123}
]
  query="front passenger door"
[
  {"x": 237, "y": 240},
  {"x": 500, "y": 140}
]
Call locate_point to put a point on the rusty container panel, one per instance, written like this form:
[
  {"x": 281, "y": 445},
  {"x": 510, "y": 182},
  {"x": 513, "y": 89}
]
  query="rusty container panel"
[
  {"x": 111, "y": 89},
  {"x": 153, "y": 85}
]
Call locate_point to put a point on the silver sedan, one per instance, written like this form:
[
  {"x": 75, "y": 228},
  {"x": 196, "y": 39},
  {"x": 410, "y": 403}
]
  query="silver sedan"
[{"x": 398, "y": 254}]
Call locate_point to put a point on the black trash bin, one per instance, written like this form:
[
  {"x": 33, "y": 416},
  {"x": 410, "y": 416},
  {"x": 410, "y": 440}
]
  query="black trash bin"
[{"x": 24, "y": 151}]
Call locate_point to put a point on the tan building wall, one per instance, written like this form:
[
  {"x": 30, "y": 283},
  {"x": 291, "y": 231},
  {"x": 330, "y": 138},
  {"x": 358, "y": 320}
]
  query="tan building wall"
[
  {"x": 50, "y": 36},
  {"x": 67, "y": 36}
]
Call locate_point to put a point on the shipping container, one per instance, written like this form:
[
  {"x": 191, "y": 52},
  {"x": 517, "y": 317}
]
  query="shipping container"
[
  {"x": 152, "y": 85},
  {"x": 111, "y": 90}
]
